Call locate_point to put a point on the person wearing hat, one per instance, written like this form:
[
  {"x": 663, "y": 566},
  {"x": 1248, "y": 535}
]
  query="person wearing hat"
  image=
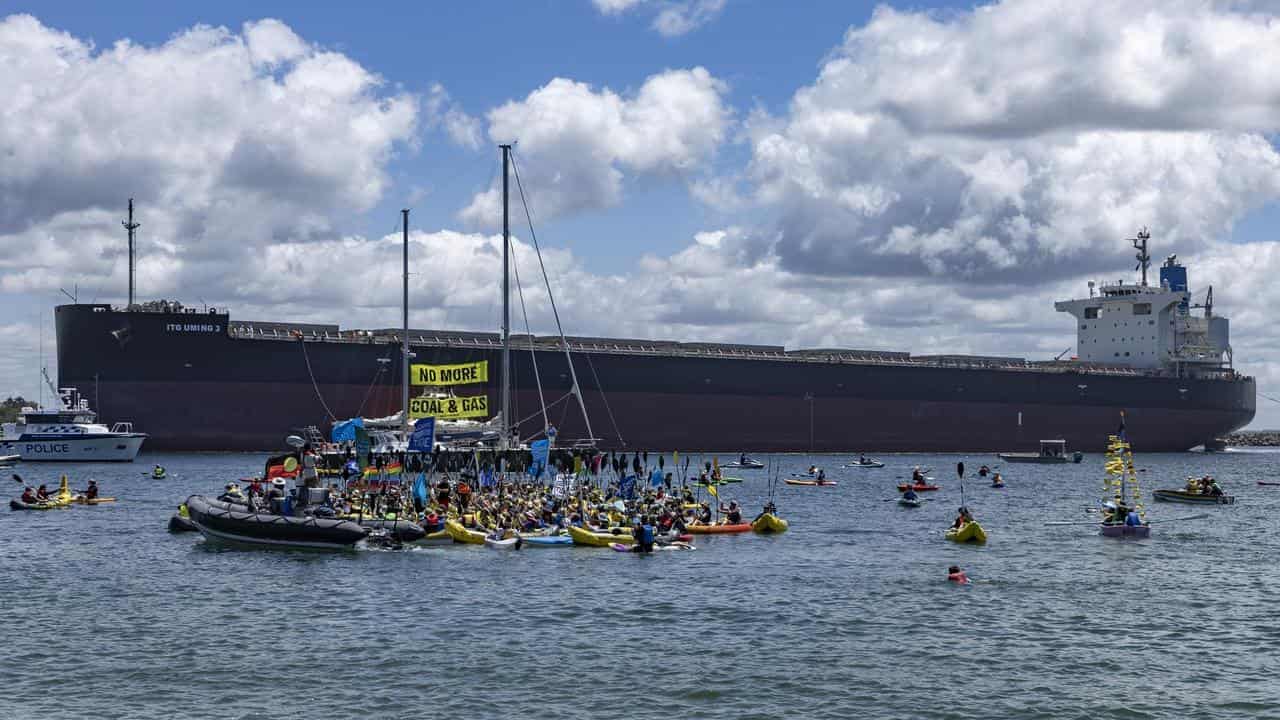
[{"x": 276, "y": 495}]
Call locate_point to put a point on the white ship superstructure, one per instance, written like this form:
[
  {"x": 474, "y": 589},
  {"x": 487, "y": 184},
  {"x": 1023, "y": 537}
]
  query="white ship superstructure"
[
  {"x": 70, "y": 433},
  {"x": 1148, "y": 327}
]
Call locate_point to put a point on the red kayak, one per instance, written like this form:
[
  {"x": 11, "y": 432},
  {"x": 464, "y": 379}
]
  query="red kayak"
[{"x": 917, "y": 488}]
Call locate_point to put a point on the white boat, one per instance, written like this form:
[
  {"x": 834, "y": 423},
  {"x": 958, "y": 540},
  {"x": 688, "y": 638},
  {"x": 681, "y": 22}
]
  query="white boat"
[{"x": 70, "y": 433}]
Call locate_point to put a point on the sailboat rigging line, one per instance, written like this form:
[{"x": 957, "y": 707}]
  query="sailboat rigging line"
[
  {"x": 603, "y": 396},
  {"x": 543, "y": 412},
  {"x": 314, "y": 384},
  {"x": 369, "y": 391},
  {"x": 533, "y": 357},
  {"x": 528, "y": 214}
]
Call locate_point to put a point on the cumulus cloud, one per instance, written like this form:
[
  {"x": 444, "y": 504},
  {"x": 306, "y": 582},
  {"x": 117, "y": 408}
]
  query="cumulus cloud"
[
  {"x": 1023, "y": 139},
  {"x": 578, "y": 144},
  {"x": 441, "y": 111},
  {"x": 673, "y": 17},
  {"x": 228, "y": 141}
]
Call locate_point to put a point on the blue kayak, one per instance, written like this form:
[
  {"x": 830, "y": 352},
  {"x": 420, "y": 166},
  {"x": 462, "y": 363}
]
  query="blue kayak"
[{"x": 548, "y": 541}]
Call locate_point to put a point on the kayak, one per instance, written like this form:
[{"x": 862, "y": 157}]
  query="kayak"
[
  {"x": 1264, "y": 482},
  {"x": 721, "y": 481},
  {"x": 1182, "y": 496},
  {"x": 810, "y": 483},
  {"x": 917, "y": 488},
  {"x": 463, "y": 534},
  {"x": 82, "y": 500},
  {"x": 770, "y": 523},
  {"x": 868, "y": 465},
  {"x": 969, "y": 532},
  {"x": 749, "y": 464},
  {"x": 511, "y": 543},
  {"x": 721, "y": 529},
  {"x": 547, "y": 541},
  {"x": 997, "y": 485},
  {"x": 1116, "y": 530},
  {"x": 909, "y": 502},
  {"x": 437, "y": 536},
  {"x": 584, "y": 537},
  {"x": 53, "y": 503}
]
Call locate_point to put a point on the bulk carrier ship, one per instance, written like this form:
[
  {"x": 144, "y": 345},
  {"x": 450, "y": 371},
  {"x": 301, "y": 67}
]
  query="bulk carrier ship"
[{"x": 206, "y": 381}]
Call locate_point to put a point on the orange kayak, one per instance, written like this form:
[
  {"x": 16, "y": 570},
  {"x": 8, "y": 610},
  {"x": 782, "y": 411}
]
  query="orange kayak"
[
  {"x": 917, "y": 488},
  {"x": 717, "y": 529}
]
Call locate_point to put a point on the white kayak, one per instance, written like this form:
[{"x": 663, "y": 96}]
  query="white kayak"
[{"x": 511, "y": 543}]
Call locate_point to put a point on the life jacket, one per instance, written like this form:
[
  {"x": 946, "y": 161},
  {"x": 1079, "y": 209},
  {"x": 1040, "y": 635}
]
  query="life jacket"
[{"x": 646, "y": 534}]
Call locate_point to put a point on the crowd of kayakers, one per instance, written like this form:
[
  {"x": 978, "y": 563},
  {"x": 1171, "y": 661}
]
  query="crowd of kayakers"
[{"x": 1206, "y": 485}]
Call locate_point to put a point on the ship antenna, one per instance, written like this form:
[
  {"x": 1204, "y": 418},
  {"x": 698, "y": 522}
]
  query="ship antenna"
[
  {"x": 404, "y": 347},
  {"x": 131, "y": 226},
  {"x": 1144, "y": 259}
]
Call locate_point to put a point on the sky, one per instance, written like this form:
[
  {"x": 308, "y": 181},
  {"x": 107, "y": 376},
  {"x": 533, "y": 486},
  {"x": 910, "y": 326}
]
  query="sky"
[{"x": 916, "y": 177}]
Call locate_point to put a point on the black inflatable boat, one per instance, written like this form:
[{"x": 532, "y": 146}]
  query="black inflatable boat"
[{"x": 232, "y": 522}]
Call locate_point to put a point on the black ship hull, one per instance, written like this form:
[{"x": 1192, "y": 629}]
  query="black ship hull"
[{"x": 191, "y": 385}]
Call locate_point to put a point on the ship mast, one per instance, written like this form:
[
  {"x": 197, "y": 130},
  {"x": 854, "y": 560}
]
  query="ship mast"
[
  {"x": 131, "y": 226},
  {"x": 404, "y": 346},
  {"x": 506, "y": 298},
  {"x": 1144, "y": 259}
]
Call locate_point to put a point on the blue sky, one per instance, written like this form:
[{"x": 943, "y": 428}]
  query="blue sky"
[{"x": 926, "y": 177}]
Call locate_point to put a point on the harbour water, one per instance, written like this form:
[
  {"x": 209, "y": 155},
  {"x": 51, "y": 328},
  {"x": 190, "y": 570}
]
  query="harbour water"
[{"x": 847, "y": 615}]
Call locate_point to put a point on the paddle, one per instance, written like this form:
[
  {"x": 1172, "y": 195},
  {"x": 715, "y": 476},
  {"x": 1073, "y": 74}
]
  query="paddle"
[{"x": 960, "y": 472}]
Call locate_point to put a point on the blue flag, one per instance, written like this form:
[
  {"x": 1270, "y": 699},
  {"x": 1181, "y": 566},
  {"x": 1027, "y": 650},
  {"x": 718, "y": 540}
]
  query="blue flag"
[
  {"x": 627, "y": 487},
  {"x": 423, "y": 438},
  {"x": 541, "y": 450},
  {"x": 420, "y": 489},
  {"x": 346, "y": 430}
]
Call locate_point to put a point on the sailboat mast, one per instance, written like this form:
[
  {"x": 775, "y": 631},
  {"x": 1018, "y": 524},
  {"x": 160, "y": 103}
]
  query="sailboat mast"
[
  {"x": 404, "y": 361},
  {"x": 506, "y": 297}
]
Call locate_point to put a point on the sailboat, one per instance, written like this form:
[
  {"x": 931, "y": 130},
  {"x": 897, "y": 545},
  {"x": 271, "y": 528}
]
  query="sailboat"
[{"x": 1123, "y": 511}]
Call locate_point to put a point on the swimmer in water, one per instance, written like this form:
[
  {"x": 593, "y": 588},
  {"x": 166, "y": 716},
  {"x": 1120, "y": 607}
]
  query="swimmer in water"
[{"x": 956, "y": 575}]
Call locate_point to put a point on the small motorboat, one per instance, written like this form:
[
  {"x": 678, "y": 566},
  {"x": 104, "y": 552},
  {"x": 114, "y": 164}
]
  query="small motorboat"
[
  {"x": 1193, "y": 498},
  {"x": 1052, "y": 452},
  {"x": 744, "y": 463},
  {"x": 234, "y": 523}
]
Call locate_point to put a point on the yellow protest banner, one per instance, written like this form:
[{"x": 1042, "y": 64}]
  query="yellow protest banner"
[
  {"x": 449, "y": 408},
  {"x": 440, "y": 375}
]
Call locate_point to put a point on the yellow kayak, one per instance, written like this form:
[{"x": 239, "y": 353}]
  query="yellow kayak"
[
  {"x": 82, "y": 500},
  {"x": 770, "y": 523},
  {"x": 438, "y": 536},
  {"x": 582, "y": 536},
  {"x": 462, "y": 534},
  {"x": 969, "y": 532}
]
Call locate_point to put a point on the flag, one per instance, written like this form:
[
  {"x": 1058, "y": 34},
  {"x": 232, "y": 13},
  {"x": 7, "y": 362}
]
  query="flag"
[
  {"x": 424, "y": 435},
  {"x": 282, "y": 466},
  {"x": 420, "y": 489}
]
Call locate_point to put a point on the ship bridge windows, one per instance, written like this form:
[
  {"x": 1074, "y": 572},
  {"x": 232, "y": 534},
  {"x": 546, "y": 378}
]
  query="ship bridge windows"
[
  {"x": 1091, "y": 313},
  {"x": 1142, "y": 308}
]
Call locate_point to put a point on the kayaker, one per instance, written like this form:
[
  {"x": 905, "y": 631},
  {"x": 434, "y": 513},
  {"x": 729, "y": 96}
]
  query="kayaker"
[
  {"x": 91, "y": 492},
  {"x": 42, "y": 492},
  {"x": 917, "y": 477},
  {"x": 984, "y": 471},
  {"x": 464, "y": 495},
  {"x": 822, "y": 476},
  {"x": 29, "y": 495},
  {"x": 769, "y": 509},
  {"x": 962, "y": 517},
  {"x": 956, "y": 575},
  {"x": 732, "y": 514},
  {"x": 813, "y": 469},
  {"x": 643, "y": 533},
  {"x": 704, "y": 513},
  {"x": 157, "y": 471},
  {"x": 996, "y": 480},
  {"x": 910, "y": 494}
]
